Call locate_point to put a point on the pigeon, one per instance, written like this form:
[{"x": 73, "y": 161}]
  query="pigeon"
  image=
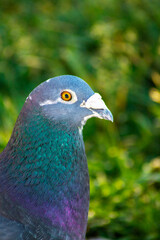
[{"x": 44, "y": 180}]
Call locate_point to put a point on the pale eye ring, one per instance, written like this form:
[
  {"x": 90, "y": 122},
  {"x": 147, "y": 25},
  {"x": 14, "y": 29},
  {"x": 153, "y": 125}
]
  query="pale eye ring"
[{"x": 66, "y": 95}]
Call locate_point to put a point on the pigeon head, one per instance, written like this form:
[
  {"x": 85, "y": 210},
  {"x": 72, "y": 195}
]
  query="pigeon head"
[{"x": 67, "y": 100}]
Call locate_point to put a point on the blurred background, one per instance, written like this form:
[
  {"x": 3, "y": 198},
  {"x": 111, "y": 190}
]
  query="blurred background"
[{"x": 114, "y": 46}]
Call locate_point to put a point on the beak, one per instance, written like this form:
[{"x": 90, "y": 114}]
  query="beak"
[{"x": 97, "y": 107}]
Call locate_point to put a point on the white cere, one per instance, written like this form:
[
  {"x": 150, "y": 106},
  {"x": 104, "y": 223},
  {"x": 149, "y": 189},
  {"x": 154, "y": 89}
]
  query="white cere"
[{"x": 94, "y": 102}]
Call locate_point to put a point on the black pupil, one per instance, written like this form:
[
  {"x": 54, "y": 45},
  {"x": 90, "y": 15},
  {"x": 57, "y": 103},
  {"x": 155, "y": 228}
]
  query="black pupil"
[{"x": 66, "y": 95}]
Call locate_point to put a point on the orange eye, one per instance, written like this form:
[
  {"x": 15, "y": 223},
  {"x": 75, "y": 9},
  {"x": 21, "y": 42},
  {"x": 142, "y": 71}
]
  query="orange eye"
[{"x": 66, "y": 96}]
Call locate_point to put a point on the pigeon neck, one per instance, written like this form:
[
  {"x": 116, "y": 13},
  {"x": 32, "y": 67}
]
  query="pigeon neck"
[{"x": 49, "y": 173}]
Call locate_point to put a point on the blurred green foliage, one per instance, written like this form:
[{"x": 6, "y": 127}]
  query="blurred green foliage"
[{"x": 114, "y": 46}]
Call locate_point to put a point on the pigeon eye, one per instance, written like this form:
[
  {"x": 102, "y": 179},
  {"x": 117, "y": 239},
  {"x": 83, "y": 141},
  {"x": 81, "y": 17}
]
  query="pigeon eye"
[{"x": 66, "y": 96}]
